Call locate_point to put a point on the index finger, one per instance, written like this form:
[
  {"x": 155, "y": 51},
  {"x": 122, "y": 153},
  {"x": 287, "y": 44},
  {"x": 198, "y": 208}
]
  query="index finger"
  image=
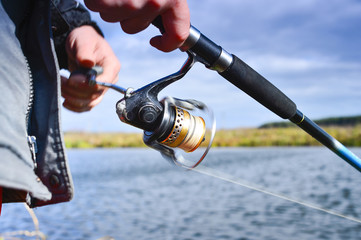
[{"x": 176, "y": 22}]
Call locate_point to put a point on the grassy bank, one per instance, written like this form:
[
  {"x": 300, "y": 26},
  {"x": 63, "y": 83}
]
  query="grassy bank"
[
  {"x": 102, "y": 140},
  {"x": 291, "y": 136},
  {"x": 243, "y": 137}
]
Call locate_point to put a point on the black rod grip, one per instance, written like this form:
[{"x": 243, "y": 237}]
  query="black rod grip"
[
  {"x": 243, "y": 76},
  {"x": 207, "y": 50},
  {"x": 248, "y": 80}
]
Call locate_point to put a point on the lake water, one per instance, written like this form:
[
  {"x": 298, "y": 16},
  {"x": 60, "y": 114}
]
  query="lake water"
[{"x": 135, "y": 194}]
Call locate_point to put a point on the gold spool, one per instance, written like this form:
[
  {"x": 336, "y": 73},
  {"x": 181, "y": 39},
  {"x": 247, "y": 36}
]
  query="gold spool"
[{"x": 188, "y": 131}]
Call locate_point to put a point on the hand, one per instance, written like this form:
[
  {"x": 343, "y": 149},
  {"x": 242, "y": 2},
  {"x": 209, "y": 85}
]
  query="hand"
[
  {"x": 136, "y": 15},
  {"x": 86, "y": 48}
]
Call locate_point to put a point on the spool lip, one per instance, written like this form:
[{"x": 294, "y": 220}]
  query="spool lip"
[
  {"x": 183, "y": 162},
  {"x": 202, "y": 138}
]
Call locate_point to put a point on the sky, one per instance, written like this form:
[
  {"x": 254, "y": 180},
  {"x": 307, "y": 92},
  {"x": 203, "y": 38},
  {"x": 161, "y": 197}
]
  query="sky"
[{"x": 309, "y": 49}]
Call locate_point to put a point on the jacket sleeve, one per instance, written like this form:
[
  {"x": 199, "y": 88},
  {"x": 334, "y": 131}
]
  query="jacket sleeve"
[{"x": 67, "y": 15}]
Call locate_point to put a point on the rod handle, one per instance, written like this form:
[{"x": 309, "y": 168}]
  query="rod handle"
[
  {"x": 255, "y": 85},
  {"x": 238, "y": 73}
]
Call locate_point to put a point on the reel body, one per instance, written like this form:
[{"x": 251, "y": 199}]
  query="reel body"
[
  {"x": 181, "y": 130},
  {"x": 182, "y": 133}
]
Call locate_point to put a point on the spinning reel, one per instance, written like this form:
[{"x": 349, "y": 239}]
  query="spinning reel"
[{"x": 181, "y": 130}]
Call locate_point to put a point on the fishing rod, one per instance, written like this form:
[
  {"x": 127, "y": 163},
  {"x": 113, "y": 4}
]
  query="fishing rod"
[
  {"x": 174, "y": 126},
  {"x": 177, "y": 127},
  {"x": 259, "y": 88}
]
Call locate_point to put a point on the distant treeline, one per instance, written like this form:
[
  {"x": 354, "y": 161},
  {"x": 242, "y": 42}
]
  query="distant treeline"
[
  {"x": 242, "y": 137},
  {"x": 345, "y": 129},
  {"x": 103, "y": 140},
  {"x": 325, "y": 122},
  {"x": 283, "y": 136}
]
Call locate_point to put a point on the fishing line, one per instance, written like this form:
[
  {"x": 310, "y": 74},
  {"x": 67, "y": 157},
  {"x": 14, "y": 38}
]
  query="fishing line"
[{"x": 229, "y": 178}]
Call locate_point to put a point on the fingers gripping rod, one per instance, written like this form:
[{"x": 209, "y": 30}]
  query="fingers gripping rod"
[{"x": 248, "y": 80}]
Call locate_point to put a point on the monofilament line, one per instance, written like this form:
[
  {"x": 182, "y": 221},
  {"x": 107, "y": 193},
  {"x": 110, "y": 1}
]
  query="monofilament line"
[{"x": 228, "y": 178}]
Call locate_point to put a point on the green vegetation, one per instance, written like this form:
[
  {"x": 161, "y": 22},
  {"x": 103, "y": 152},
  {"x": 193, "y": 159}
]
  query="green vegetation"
[
  {"x": 243, "y": 137},
  {"x": 287, "y": 136},
  {"x": 345, "y": 129},
  {"x": 102, "y": 140}
]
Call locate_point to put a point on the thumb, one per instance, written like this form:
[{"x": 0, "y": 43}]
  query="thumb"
[
  {"x": 84, "y": 55},
  {"x": 80, "y": 49}
]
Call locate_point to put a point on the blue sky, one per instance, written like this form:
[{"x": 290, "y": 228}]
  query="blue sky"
[{"x": 310, "y": 49}]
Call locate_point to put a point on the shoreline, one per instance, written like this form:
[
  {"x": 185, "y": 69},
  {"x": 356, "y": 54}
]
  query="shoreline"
[{"x": 242, "y": 137}]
